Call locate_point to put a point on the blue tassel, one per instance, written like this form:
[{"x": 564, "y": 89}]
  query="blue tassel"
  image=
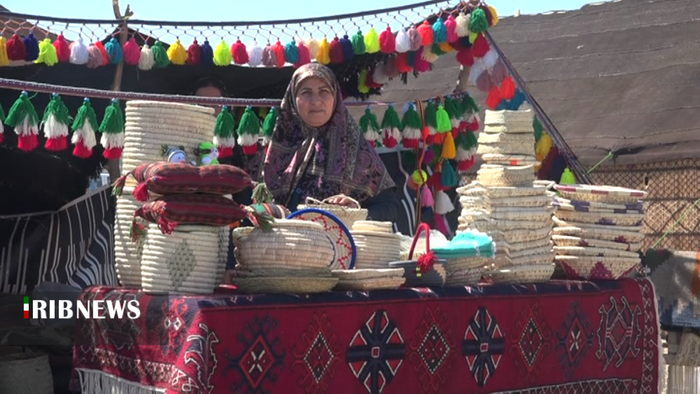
[
  {"x": 464, "y": 42},
  {"x": 514, "y": 103},
  {"x": 32, "y": 46},
  {"x": 346, "y": 44},
  {"x": 439, "y": 32},
  {"x": 207, "y": 54},
  {"x": 448, "y": 177},
  {"x": 291, "y": 52},
  {"x": 114, "y": 51},
  {"x": 411, "y": 58}
]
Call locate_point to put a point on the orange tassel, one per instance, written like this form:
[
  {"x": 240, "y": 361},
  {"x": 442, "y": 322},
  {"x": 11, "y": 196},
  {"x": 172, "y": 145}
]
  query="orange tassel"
[
  {"x": 279, "y": 54},
  {"x": 508, "y": 88},
  {"x": 494, "y": 98},
  {"x": 427, "y": 36}
]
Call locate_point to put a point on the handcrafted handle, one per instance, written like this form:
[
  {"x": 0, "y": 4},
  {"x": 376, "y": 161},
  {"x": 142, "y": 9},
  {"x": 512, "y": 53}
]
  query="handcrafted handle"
[
  {"x": 423, "y": 227},
  {"x": 313, "y": 201},
  {"x": 349, "y": 198}
]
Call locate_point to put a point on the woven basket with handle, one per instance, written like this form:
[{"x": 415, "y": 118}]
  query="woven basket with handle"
[{"x": 346, "y": 214}]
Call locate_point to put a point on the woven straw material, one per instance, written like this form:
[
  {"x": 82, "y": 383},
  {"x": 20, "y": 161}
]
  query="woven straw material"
[
  {"x": 505, "y": 139},
  {"x": 533, "y": 235},
  {"x": 522, "y": 274},
  {"x": 25, "y": 373},
  {"x": 601, "y": 194},
  {"x": 164, "y": 105},
  {"x": 126, "y": 252},
  {"x": 539, "y": 214},
  {"x": 563, "y": 205},
  {"x": 476, "y": 189},
  {"x": 185, "y": 261},
  {"x": 484, "y": 224},
  {"x": 533, "y": 259},
  {"x": 542, "y": 200},
  {"x": 638, "y": 206},
  {"x": 346, "y": 214},
  {"x": 609, "y": 233},
  {"x": 498, "y": 175},
  {"x": 596, "y": 268},
  {"x": 359, "y": 274},
  {"x": 571, "y": 223},
  {"x": 297, "y": 243},
  {"x": 291, "y": 285},
  {"x": 468, "y": 277},
  {"x": 545, "y": 250},
  {"x": 565, "y": 240},
  {"x": 224, "y": 241},
  {"x": 466, "y": 263},
  {"x": 376, "y": 250},
  {"x": 510, "y": 160},
  {"x": 373, "y": 226},
  {"x": 435, "y": 277},
  {"x": 520, "y": 128},
  {"x": 370, "y": 284},
  {"x": 509, "y": 118},
  {"x": 505, "y": 148},
  {"x": 529, "y": 245},
  {"x": 281, "y": 270},
  {"x": 618, "y": 219},
  {"x": 592, "y": 251}
]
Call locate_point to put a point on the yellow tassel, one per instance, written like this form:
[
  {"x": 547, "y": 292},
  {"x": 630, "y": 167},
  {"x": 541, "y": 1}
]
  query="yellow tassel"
[
  {"x": 324, "y": 52},
  {"x": 372, "y": 41},
  {"x": 445, "y": 47},
  {"x": 543, "y": 146},
  {"x": 4, "y": 60},
  {"x": 362, "y": 82},
  {"x": 494, "y": 15},
  {"x": 47, "y": 53},
  {"x": 177, "y": 53},
  {"x": 428, "y": 55},
  {"x": 449, "y": 151},
  {"x": 222, "y": 54},
  {"x": 473, "y": 36}
]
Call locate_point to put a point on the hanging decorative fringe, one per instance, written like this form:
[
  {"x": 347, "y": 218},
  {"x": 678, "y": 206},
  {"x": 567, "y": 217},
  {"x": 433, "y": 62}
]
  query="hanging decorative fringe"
[
  {"x": 255, "y": 55},
  {"x": 372, "y": 41},
  {"x": 431, "y": 121},
  {"x": 269, "y": 125},
  {"x": 84, "y": 127},
  {"x": 25, "y": 120},
  {"x": 56, "y": 123},
  {"x": 4, "y": 60},
  {"x": 443, "y": 205},
  {"x": 224, "y": 132},
  {"x": 391, "y": 127},
  {"x": 411, "y": 125},
  {"x": 160, "y": 55},
  {"x": 370, "y": 127},
  {"x": 62, "y": 49},
  {"x": 47, "y": 53},
  {"x": 239, "y": 53},
  {"x": 32, "y": 47},
  {"x": 112, "y": 129},
  {"x": 249, "y": 132},
  {"x": 146, "y": 60},
  {"x": 114, "y": 51}
]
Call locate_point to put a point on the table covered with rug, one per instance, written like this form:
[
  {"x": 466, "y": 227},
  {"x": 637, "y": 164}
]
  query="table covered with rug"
[{"x": 560, "y": 336}]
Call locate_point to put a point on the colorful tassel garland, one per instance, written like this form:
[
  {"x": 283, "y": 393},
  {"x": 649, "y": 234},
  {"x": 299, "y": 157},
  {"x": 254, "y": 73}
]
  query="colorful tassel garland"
[
  {"x": 508, "y": 88},
  {"x": 567, "y": 177},
  {"x": 194, "y": 53},
  {"x": 358, "y": 43},
  {"x": 269, "y": 58},
  {"x": 84, "y": 127},
  {"x": 16, "y": 49},
  {"x": 449, "y": 151},
  {"x": 78, "y": 52},
  {"x": 439, "y": 31},
  {"x": 537, "y": 126},
  {"x": 391, "y": 127},
  {"x": 313, "y": 46},
  {"x": 403, "y": 42},
  {"x": 428, "y": 55},
  {"x": 114, "y": 51},
  {"x": 291, "y": 52},
  {"x": 249, "y": 132},
  {"x": 336, "y": 51},
  {"x": 421, "y": 63},
  {"x": 411, "y": 125},
  {"x": 177, "y": 54},
  {"x": 448, "y": 176},
  {"x": 146, "y": 60},
  {"x": 62, "y": 49},
  {"x": 32, "y": 47},
  {"x": 372, "y": 41},
  {"x": 255, "y": 55},
  {"x": 465, "y": 57},
  {"x": 443, "y": 120},
  {"x": 493, "y": 14},
  {"x": 362, "y": 82},
  {"x": 485, "y": 83},
  {"x": 494, "y": 98},
  {"x": 346, "y": 44},
  {"x": 370, "y": 127},
  {"x": 224, "y": 133},
  {"x": 304, "y": 55},
  {"x": 477, "y": 21},
  {"x": 269, "y": 125},
  {"x": 131, "y": 52},
  {"x": 112, "y": 129},
  {"x": 431, "y": 121},
  {"x": 462, "y": 24},
  {"x": 499, "y": 73},
  {"x": 25, "y": 120},
  {"x": 222, "y": 54},
  {"x": 426, "y": 34},
  {"x": 47, "y": 53},
  {"x": 324, "y": 52},
  {"x": 239, "y": 53},
  {"x": 207, "y": 54},
  {"x": 56, "y": 123},
  {"x": 543, "y": 146},
  {"x": 4, "y": 60},
  {"x": 481, "y": 46}
]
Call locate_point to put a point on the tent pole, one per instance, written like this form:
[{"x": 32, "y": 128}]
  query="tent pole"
[{"x": 574, "y": 163}]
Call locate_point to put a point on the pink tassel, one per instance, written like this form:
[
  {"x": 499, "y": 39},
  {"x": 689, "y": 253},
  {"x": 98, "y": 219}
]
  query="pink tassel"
[
  {"x": 304, "y": 55},
  {"x": 451, "y": 26},
  {"x": 132, "y": 52},
  {"x": 426, "y": 197}
]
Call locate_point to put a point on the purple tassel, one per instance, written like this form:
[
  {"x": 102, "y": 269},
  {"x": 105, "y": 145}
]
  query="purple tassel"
[
  {"x": 346, "y": 44},
  {"x": 32, "y": 46},
  {"x": 207, "y": 54}
]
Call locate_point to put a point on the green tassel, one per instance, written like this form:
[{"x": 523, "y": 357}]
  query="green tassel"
[
  {"x": 431, "y": 115},
  {"x": 58, "y": 109},
  {"x": 2, "y": 115},
  {"x": 85, "y": 114},
  {"x": 160, "y": 55},
  {"x": 270, "y": 123},
  {"x": 448, "y": 176},
  {"x": 466, "y": 140},
  {"x": 435, "y": 48},
  {"x": 412, "y": 119},
  {"x": 454, "y": 108},
  {"x": 369, "y": 122},
  {"x": 469, "y": 105},
  {"x": 478, "y": 21},
  {"x": 250, "y": 124},
  {"x": 113, "y": 122},
  {"x": 358, "y": 43},
  {"x": 437, "y": 150},
  {"x": 21, "y": 109},
  {"x": 225, "y": 124},
  {"x": 538, "y": 128},
  {"x": 443, "y": 120},
  {"x": 391, "y": 119},
  {"x": 567, "y": 177}
]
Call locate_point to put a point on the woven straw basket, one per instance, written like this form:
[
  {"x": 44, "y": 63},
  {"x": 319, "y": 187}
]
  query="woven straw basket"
[
  {"x": 512, "y": 121},
  {"x": 596, "y": 268},
  {"x": 467, "y": 277},
  {"x": 522, "y": 274},
  {"x": 290, "y": 285},
  {"x": 566, "y": 240},
  {"x": 617, "y": 219},
  {"x": 185, "y": 261},
  {"x": 347, "y": 215},
  {"x": 476, "y": 189},
  {"x": 25, "y": 373},
  {"x": 608, "y": 233},
  {"x": 504, "y": 149},
  {"x": 601, "y": 193},
  {"x": 127, "y": 253},
  {"x": 376, "y": 249},
  {"x": 498, "y": 175},
  {"x": 510, "y": 159}
]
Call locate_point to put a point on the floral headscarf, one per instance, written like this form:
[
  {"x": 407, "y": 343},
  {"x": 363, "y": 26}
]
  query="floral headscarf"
[{"x": 336, "y": 155}]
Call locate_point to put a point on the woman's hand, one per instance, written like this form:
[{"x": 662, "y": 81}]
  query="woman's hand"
[{"x": 342, "y": 200}]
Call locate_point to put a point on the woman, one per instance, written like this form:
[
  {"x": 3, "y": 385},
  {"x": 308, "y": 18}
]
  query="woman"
[{"x": 317, "y": 150}]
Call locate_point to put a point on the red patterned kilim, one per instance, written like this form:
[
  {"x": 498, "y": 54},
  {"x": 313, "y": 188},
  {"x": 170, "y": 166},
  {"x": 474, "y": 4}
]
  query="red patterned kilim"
[{"x": 560, "y": 337}]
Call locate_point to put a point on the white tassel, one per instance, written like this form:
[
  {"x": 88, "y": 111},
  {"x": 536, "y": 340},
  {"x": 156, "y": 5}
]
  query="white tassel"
[
  {"x": 228, "y": 142},
  {"x": 462, "y": 24},
  {"x": 379, "y": 75},
  {"x": 443, "y": 205},
  {"x": 490, "y": 58},
  {"x": 475, "y": 72},
  {"x": 55, "y": 129},
  {"x": 247, "y": 140},
  {"x": 146, "y": 61},
  {"x": 411, "y": 133},
  {"x": 403, "y": 42},
  {"x": 464, "y": 155},
  {"x": 78, "y": 52},
  {"x": 313, "y": 46},
  {"x": 393, "y": 132},
  {"x": 85, "y": 135},
  {"x": 428, "y": 54},
  {"x": 27, "y": 128},
  {"x": 112, "y": 140},
  {"x": 255, "y": 53}
]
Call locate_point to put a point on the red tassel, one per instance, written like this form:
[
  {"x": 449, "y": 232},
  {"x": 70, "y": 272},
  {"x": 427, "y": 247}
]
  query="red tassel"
[
  {"x": 465, "y": 165},
  {"x": 62, "y": 49},
  {"x": 103, "y": 51},
  {"x": 225, "y": 152},
  {"x": 278, "y": 48},
  {"x": 82, "y": 151},
  {"x": 250, "y": 149},
  {"x": 112, "y": 153},
  {"x": 304, "y": 55},
  {"x": 16, "y": 50},
  {"x": 494, "y": 98},
  {"x": 389, "y": 141},
  {"x": 387, "y": 41},
  {"x": 165, "y": 226},
  {"x": 465, "y": 57},
  {"x": 27, "y": 142},
  {"x": 473, "y": 126},
  {"x": 481, "y": 46},
  {"x": 56, "y": 144},
  {"x": 402, "y": 63},
  {"x": 426, "y": 262},
  {"x": 118, "y": 185},
  {"x": 508, "y": 88},
  {"x": 136, "y": 228},
  {"x": 336, "y": 53},
  {"x": 194, "y": 53},
  {"x": 369, "y": 81},
  {"x": 131, "y": 52},
  {"x": 409, "y": 143},
  {"x": 141, "y": 192},
  {"x": 240, "y": 53}
]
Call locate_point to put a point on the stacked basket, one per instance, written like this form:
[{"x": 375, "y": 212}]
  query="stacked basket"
[
  {"x": 294, "y": 257},
  {"x": 377, "y": 244},
  {"x": 347, "y": 215},
  {"x": 507, "y": 202},
  {"x": 149, "y": 126},
  {"x": 599, "y": 230}
]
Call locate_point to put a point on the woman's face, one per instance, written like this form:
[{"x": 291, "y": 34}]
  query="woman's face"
[
  {"x": 210, "y": 91},
  {"x": 315, "y": 101}
]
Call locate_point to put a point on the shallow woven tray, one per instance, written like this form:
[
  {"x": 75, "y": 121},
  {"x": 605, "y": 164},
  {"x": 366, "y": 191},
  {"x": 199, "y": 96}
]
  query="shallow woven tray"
[
  {"x": 522, "y": 119},
  {"x": 544, "y": 242},
  {"x": 294, "y": 285},
  {"x": 466, "y": 263},
  {"x": 606, "y": 194},
  {"x": 606, "y": 219},
  {"x": 468, "y": 277},
  {"x": 566, "y": 240},
  {"x": 531, "y": 235},
  {"x": 479, "y": 189},
  {"x": 510, "y": 159},
  {"x": 635, "y": 206},
  {"x": 371, "y": 226},
  {"x": 508, "y": 138},
  {"x": 360, "y": 274},
  {"x": 505, "y": 148},
  {"x": 592, "y": 251},
  {"x": 563, "y": 206},
  {"x": 282, "y": 271},
  {"x": 541, "y": 200},
  {"x": 521, "y": 274},
  {"x": 526, "y": 252},
  {"x": 499, "y": 175},
  {"x": 609, "y": 233},
  {"x": 370, "y": 284},
  {"x": 595, "y": 268}
]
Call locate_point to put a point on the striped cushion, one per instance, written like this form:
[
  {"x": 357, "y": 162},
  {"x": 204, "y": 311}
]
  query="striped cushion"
[{"x": 169, "y": 178}]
